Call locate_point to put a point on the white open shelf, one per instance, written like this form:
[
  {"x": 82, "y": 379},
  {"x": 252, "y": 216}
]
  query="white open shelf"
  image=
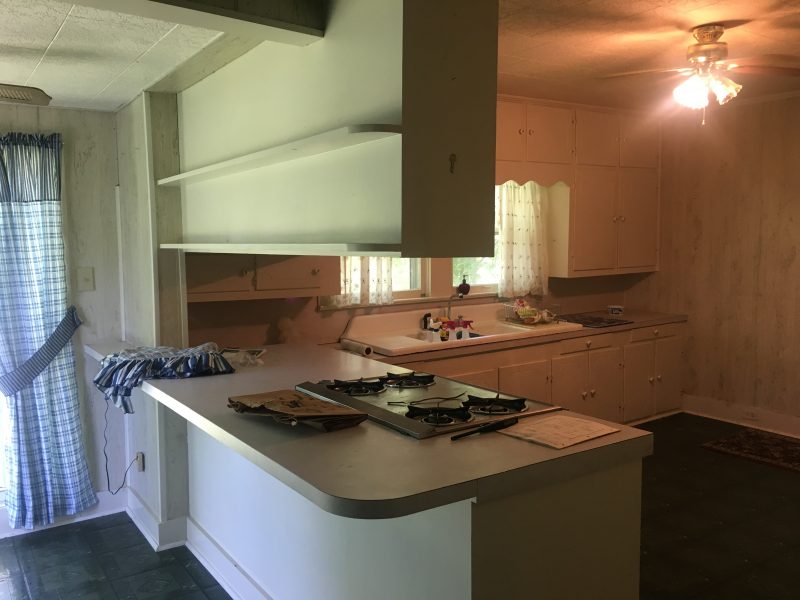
[
  {"x": 335, "y": 139},
  {"x": 309, "y": 249}
]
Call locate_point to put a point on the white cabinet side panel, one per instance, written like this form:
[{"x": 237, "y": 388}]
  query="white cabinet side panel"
[{"x": 295, "y": 551}]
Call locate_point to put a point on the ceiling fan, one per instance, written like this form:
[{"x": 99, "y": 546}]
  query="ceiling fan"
[{"x": 709, "y": 67}]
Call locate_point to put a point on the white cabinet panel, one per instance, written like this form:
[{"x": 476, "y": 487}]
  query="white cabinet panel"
[
  {"x": 597, "y": 138},
  {"x": 528, "y": 380}
]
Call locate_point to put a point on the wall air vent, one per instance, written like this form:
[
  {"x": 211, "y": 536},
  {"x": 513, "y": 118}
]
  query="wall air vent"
[{"x": 23, "y": 94}]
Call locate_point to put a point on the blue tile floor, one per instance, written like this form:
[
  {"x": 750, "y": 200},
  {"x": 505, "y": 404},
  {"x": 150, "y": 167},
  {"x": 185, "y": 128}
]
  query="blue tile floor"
[
  {"x": 715, "y": 525},
  {"x": 101, "y": 559}
]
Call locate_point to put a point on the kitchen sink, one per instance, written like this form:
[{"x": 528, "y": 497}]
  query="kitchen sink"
[{"x": 396, "y": 343}]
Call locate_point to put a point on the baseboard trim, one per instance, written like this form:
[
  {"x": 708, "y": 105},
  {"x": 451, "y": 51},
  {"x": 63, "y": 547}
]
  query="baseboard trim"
[
  {"x": 222, "y": 565},
  {"x": 747, "y": 416},
  {"x": 107, "y": 504},
  {"x": 161, "y": 536}
]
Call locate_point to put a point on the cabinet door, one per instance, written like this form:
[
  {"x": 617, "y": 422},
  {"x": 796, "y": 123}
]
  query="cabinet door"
[
  {"x": 527, "y": 380},
  {"x": 485, "y": 379},
  {"x": 318, "y": 275},
  {"x": 594, "y": 239},
  {"x": 510, "y": 131},
  {"x": 569, "y": 379},
  {"x": 639, "y": 381},
  {"x": 638, "y": 142},
  {"x": 214, "y": 273},
  {"x": 605, "y": 384},
  {"x": 550, "y": 134},
  {"x": 597, "y": 138},
  {"x": 638, "y": 218},
  {"x": 668, "y": 371}
]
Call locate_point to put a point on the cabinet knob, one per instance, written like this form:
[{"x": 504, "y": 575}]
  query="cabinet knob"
[
  {"x": 583, "y": 395},
  {"x": 593, "y": 393},
  {"x": 530, "y": 131},
  {"x": 522, "y": 132},
  {"x": 651, "y": 380},
  {"x": 655, "y": 331},
  {"x": 589, "y": 343},
  {"x": 622, "y": 218},
  {"x": 658, "y": 377},
  {"x": 315, "y": 271},
  {"x": 244, "y": 273}
]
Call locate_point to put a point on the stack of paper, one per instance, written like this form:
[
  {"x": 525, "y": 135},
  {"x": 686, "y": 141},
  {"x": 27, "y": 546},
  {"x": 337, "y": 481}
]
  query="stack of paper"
[{"x": 557, "y": 431}]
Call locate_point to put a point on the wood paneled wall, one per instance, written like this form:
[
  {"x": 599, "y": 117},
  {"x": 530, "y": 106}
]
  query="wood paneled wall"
[{"x": 730, "y": 229}]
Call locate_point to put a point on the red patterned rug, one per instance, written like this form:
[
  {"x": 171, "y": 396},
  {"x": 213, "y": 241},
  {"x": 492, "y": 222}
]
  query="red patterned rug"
[{"x": 763, "y": 446}]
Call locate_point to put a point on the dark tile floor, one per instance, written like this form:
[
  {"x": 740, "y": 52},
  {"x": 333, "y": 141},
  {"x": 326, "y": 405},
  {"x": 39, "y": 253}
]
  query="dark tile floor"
[
  {"x": 716, "y": 526},
  {"x": 101, "y": 559}
]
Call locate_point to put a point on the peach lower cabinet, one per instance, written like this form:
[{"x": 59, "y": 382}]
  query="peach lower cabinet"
[
  {"x": 621, "y": 376},
  {"x": 290, "y": 513}
]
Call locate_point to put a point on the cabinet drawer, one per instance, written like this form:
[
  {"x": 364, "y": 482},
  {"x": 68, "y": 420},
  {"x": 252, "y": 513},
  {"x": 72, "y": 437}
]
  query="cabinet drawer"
[
  {"x": 585, "y": 343},
  {"x": 218, "y": 273},
  {"x": 654, "y": 332}
]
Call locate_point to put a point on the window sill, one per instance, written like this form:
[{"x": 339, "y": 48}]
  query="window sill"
[{"x": 402, "y": 302}]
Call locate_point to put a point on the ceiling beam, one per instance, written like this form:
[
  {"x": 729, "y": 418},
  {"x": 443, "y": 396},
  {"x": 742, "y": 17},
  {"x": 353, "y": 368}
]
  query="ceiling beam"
[{"x": 295, "y": 22}]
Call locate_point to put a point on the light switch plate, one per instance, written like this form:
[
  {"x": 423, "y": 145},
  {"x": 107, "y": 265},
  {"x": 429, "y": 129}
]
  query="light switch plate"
[{"x": 85, "y": 277}]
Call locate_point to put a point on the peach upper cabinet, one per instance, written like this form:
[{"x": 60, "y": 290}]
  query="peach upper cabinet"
[{"x": 607, "y": 222}]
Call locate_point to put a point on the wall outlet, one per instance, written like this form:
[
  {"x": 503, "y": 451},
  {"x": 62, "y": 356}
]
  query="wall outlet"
[{"x": 140, "y": 461}]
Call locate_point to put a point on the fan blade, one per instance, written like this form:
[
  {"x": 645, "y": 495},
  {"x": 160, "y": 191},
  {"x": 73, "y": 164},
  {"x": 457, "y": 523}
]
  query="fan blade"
[
  {"x": 646, "y": 72},
  {"x": 766, "y": 70},
  {"x": 779, "y": 60}
]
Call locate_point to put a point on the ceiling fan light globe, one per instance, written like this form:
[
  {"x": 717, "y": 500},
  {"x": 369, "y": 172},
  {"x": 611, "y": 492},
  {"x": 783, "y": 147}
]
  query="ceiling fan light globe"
[
  {"x": 724, "y": 89},
  {"x": 692, "y": 93}
]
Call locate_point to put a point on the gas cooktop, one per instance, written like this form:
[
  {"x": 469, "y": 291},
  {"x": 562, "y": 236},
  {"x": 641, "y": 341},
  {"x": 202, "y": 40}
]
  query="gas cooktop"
[
  {"x": 593, "y": 321},
  {"x": 422, "y": 405}
]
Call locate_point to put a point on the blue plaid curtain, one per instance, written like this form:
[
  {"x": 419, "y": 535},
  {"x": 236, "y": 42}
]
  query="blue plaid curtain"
[{"x": 47, "y": 472}]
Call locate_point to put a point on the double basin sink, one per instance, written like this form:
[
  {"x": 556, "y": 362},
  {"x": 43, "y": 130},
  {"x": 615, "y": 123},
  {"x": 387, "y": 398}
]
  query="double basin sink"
[{"x": 399, "y": 333}]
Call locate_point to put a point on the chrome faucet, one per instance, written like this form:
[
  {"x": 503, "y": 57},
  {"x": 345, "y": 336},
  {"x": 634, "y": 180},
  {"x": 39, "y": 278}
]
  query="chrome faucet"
[{"x": 450, "y": 304}]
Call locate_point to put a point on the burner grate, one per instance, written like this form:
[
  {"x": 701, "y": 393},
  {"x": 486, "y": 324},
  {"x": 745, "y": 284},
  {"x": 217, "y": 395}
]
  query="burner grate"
[
  {"x": 408, "y": 380},
  {"x": 357, "y": 387},
  {"x": 439, "y": 415},
  {"x": 494, "y": 405}
]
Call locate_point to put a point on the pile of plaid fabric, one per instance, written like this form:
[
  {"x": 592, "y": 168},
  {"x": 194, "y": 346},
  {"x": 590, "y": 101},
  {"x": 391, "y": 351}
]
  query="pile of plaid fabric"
[{"x": 121, "y": 372}]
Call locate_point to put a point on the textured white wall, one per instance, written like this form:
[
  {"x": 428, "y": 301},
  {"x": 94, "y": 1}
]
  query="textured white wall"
[{"x": 277, "y": 93}]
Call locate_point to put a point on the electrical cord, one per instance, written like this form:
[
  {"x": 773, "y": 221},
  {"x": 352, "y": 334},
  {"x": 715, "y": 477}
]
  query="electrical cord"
[{"x": 105, "y": 454}]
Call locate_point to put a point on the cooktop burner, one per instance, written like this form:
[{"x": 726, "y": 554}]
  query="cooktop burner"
[
  {"x": 439, "y": 415},
  {"x": 593, "y": 321},
  {"x": 407, "y": 380},
  {"x": 358, "y": 387},
  {"x": 494, "y": 405}
]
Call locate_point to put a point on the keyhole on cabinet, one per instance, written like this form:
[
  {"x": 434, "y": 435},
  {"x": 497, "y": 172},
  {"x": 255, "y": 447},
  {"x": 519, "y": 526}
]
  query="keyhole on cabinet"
[{"x": 452, "y": 163}]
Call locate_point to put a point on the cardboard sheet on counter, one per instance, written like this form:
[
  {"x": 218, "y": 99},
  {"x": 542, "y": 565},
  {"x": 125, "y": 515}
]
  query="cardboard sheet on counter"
[{"x": 289, "y": 406}]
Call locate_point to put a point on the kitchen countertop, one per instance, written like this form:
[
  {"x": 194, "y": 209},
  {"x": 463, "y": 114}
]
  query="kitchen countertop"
[
  {"x": 370, "y": 471},
  {"x": 640, "y": 319}
]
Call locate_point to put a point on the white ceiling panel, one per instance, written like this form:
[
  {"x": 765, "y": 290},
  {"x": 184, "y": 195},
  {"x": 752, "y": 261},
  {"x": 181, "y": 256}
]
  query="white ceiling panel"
[
  {"x": 89, "y": 58},
  {"x": 180, "y": 44},
  {"x": 26, "y": 29}
]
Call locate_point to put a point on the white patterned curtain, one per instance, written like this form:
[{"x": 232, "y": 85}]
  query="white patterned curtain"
[
  {"x": 365, "y": 280},
  {"x": 521, "y": 221}
]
